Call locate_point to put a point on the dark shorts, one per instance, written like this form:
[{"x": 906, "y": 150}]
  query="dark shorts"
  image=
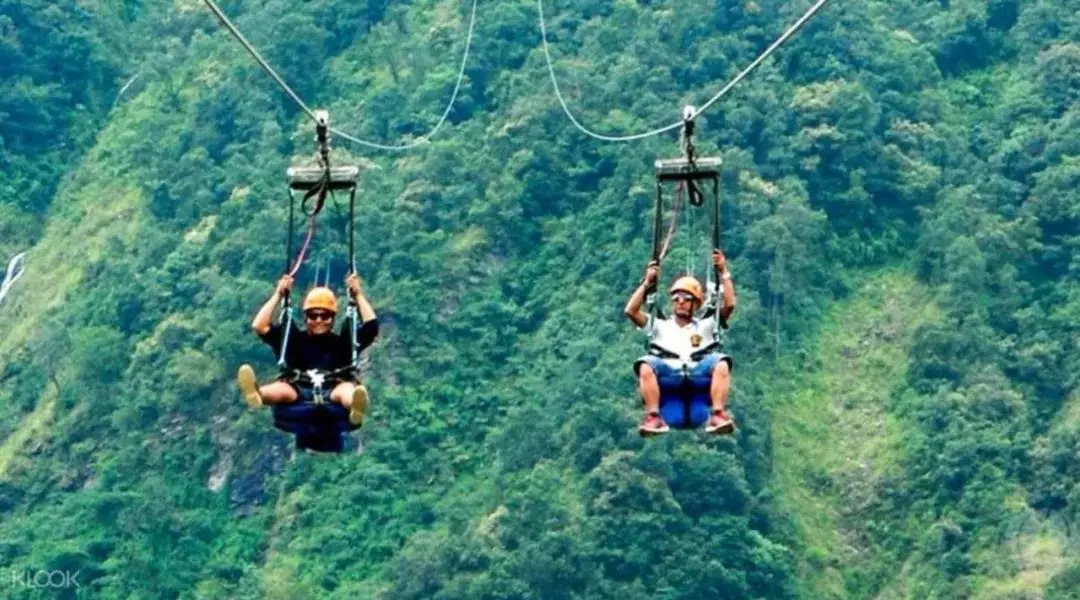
[
  {"x": 684, "y": 394},
  {"x": 318, "y": 423}
]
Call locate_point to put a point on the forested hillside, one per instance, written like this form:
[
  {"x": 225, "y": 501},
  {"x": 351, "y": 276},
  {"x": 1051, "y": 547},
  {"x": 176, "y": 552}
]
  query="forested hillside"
[{"x": 901, "y": 213}]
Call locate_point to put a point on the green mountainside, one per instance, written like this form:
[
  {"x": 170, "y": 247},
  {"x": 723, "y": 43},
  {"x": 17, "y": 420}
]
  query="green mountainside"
[{"x": 900, "y": 212}]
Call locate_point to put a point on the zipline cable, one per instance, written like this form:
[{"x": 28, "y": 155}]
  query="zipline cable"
[
  {"x": 258, "y": 58},
  {"x": 809, "y": 14},
  {"x": 723, "y": 92},
  {"x": 566, "y": 109},
  {"x": 449, "y": 105},
  {"x": 284, "y": 86}
]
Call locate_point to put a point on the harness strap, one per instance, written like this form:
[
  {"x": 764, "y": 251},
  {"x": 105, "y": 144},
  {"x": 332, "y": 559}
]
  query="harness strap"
[
  {"x": 659, "y": 352},
  {"x": 318, "y": 193},
  {"x": 320, "y": 381}
]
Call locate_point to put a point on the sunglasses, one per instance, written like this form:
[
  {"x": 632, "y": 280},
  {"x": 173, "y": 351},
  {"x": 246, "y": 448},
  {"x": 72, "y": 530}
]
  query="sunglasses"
[
  {"x": 319, "y": 316},
  {"x": 682, "y": 298}
]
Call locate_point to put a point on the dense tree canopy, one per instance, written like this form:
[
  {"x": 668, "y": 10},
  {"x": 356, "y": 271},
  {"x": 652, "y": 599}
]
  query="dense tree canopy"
[{"x": 141, "y": 162}]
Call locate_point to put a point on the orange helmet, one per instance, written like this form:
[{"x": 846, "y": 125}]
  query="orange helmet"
[
  {"x": 691, "y": 286},
  {"x": 320, "y": 298}
]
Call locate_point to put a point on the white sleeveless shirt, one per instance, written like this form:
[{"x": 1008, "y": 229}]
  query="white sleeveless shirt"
[{"x": 682, "y": 342}]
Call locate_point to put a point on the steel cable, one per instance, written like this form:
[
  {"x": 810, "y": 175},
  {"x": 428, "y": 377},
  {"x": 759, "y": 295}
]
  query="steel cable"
[
  {"x": 723, "y": 91},
  {"x": 284, "y": 86}
]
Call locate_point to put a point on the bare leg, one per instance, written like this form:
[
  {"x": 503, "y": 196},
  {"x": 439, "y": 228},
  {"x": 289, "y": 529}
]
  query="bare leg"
[
  {"x": 649, "y": 387},
  {"x": 720, "y": 422},
  {"x": 342, "y": 393},
  {"x": 720, "y": 386},
  {"x": 653, "y": 424},
  {"x": 277, "y": 392},
  {"x": 352, "y": 396}
]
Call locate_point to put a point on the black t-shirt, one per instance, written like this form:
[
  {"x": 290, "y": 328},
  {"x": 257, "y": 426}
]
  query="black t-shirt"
[{"x": 325, "y": 352}]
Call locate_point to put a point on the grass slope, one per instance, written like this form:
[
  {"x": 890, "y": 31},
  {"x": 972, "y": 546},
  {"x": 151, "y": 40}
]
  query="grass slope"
[{"x": 834, "y": 438}]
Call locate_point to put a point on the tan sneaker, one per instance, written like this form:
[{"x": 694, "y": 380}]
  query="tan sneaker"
[
  {"x": 249, "y": 389},
  {"x": 359, "y": 405}
]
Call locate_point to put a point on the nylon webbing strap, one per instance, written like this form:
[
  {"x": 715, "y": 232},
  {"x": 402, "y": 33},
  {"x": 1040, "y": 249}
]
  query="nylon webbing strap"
[{"x": 319, "y": 193}]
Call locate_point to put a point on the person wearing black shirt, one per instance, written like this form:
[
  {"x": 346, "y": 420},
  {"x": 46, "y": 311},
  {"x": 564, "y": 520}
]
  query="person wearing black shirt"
[{"x": 316, "y": 347}]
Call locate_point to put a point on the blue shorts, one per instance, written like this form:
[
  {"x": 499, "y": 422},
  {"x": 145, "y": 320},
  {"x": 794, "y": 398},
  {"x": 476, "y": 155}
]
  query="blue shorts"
[{"x": 684, "y": 395}]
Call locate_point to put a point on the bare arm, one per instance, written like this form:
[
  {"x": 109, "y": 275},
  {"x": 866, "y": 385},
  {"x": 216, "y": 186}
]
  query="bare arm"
[
  {"x": 729, "y": 297},
  {"x": 637, "y": 299},
  {"x": 728, "y": 302},
  {"x": 261, "y": 323},
  {"x": 367, "y": 313}
]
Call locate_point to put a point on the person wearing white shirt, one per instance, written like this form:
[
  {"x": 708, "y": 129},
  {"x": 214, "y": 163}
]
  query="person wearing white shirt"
[{"x": 684, "y": 379}]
